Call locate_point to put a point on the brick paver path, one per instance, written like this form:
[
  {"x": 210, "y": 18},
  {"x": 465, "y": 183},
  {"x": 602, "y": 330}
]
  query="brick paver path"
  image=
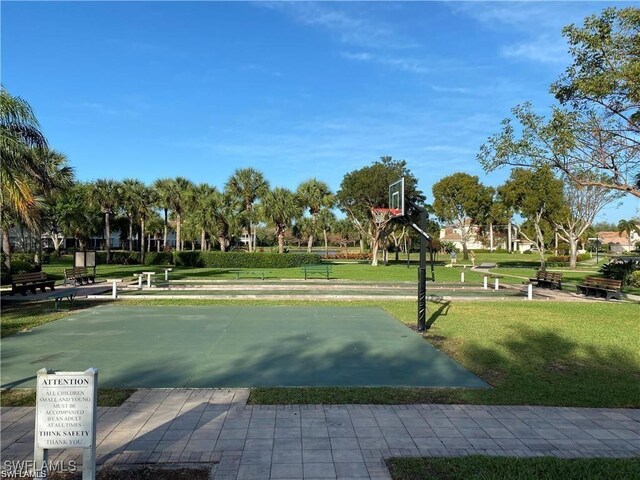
[{"x": 204, "y": 426}]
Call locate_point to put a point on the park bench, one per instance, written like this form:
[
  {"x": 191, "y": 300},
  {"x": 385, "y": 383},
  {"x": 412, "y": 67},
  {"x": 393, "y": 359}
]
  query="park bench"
[
  {"x": 600, "y": 287},
  {"x": 250, "y": 273},
  {"x": 317, "y": 269},
  {"x": 22, "y": 282},
  {"x": 548, "y": 279},
  {"x": 77, "y": 276},
  {"x": 69, "y": 293}
]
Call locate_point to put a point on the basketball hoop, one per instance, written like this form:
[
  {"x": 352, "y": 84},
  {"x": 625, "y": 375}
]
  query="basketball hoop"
[{"x": 382, "y": 216}]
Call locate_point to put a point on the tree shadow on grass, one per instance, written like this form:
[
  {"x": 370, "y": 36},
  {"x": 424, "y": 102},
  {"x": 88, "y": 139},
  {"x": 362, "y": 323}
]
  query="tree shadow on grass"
[{"x": 544, "y": 368}]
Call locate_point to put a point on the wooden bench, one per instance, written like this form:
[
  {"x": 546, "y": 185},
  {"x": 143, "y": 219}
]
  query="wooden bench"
[
  {"x": 78, "y": 276},
  {"x": 22, "y": 282},
  {"x": 600, "y": 287},
  {"x": 548, "y": 279},
  {"x": 69, "y": 294},
  {"x": 250, "y": 273},
  {"x": 317, "y": 269}
]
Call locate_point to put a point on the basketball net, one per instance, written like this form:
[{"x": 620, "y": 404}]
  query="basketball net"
[{"x": 382, "y": 216}]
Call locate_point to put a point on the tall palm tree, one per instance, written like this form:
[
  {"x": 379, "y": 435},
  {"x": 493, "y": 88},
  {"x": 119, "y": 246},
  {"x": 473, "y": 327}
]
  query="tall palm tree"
[
  {"x": 178, "y": 203},
  {"x": 60, "y": 179},
  {"x": 104, "y": 194},
  {"x": 202, "y": 212},
  {"x": 20, "y": 170},
  {"x": 165, "y": 190},
  {"x": 248, "y": 185},
  {"x": 224, "y": 218},
  {"x": 314, "y": 195},
  {"x": 281, "y": 207},
  {"x": 628, "y": 227},
  {"x": 326, "y": 220},
  {"x": 129, "y": 192}
]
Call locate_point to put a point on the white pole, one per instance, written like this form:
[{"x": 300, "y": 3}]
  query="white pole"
[
  {"x": 114, "y": 289},
  {"x": 166, "y": 274},
  {"x": 497, "y": 285},
  {"x": 139, "y": 281},
  {"x": 461, "y": 277},
  {"x": 485, "y": 285},
  {"x": 530, "y": 292},
  {"x": 148, "y": 280}
]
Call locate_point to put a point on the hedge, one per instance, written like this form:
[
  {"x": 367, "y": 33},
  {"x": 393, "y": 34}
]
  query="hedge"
[
  {"x": 120, "y": 257},
  {"x": 158, "y": 258},
  {"x": 581, "y": 257},
  {"x": 244, "y": 260}
]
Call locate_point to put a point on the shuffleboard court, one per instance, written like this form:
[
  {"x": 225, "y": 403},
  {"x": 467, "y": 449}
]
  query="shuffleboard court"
[{"x": 233, "y": 346}]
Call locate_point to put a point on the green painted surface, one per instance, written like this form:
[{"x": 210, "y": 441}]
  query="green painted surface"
[{"x": 233, "y": 346}]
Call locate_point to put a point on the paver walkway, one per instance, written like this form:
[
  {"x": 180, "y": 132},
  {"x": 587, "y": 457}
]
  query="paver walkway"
[{"x": 204, "y": 426}]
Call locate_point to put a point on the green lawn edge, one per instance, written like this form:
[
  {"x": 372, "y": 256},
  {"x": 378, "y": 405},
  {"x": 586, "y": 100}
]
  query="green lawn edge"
[
  {"x": 501, "y": 468},
  {"x": 26, "y": 397}
]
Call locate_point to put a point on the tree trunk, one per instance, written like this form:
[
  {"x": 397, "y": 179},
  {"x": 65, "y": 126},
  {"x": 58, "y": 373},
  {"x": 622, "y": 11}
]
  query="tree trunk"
[
  {"x": 107, "y": 228},
  {"x": 166, "y": 229},
  {"x": 142, "y": 240},
  {"x": 203, "y": 240},
  {"x": 255, "y": 237},
  {"x": 6, "y": 248},
  {"x": 131, "y": 234},
  {"x": 509, "y": 237},
  {"x": 38, "y": 256},
  {"x": 540, "y": 243},
  {"x": 157, "y": 245},
  {"x": 573, "y": 252},
  {"x": 281, "y": 242},
  {"x": 326, "y": 244},
  {"x": 361, "y": 245},
  {"x": 375, "y": 243},
  {"x": 491, "y": 237},
  {"x": 178, "y": 236},
  {"x": 223, "y": 243},
  {"x": 309, "y": 243}
]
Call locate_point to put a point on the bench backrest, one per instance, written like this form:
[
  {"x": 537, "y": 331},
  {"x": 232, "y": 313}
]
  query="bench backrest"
[
  {"x": 608, "y": 283},
  {"x": 317, "y": 266},
  {"x": 28, "y": 277},
  {"x": 549, "y": 276},
  {"x": 73, "y": 272}
]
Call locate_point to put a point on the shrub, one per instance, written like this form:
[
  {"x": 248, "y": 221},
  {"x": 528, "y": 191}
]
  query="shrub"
[
  {"x": 620, "y": 270},
  {"x": 243, "y": 260},
  {"x": 158, "y": 258},
  {"x": 121, "y": 257},
  {"x": 634, "y": 279},
  {"x": 348, "y": 256},
  {"x": 566, "y": 258},
  {"x": 20, "y": 266}
]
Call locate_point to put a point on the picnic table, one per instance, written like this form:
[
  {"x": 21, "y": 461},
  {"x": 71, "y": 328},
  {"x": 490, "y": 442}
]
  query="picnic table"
[{"x": 59, "y": 295}]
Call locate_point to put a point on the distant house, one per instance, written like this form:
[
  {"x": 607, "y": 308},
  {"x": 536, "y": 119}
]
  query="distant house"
[
  {"x": 619, "y": 242},
  {"x": 453, "y": 234}
]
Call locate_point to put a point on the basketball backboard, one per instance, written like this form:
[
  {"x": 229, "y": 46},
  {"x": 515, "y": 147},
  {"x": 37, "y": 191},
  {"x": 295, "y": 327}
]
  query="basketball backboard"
[{"x": 396, "y": 198}]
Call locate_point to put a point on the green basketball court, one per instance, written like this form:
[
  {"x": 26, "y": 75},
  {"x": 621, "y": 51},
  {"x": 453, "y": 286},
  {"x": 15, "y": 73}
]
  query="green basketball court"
[{"x": 233, "y": 346}]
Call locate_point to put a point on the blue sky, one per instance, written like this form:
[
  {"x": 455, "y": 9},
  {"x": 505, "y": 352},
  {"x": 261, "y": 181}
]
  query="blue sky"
[{"x": 161, "y": 89}]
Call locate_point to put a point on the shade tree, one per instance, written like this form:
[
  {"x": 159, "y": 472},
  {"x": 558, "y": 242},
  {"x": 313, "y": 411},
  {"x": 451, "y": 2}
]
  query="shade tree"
[
  {"x": 461, "y": 200},
  {"x": 366, "y": 188}
]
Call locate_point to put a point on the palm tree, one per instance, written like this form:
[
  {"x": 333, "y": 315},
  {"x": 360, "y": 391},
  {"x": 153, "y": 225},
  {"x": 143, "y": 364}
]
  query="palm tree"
[
  {"x": 104, "y": 194},
  {"x": 628, "y": 227},
  {"x": 224, "y": 218},
  {"x": 165, "y": 190},
  {"x": 325, "y": 221},
  {"x": 281, "y": 207},
  {"x": 248, "y": 185},
  {"x": 130, "y": 194},
  {"x": 178, "y": 203},
  {"x": 202, "y": 212},
  {"x": 314, "y": 195},
  {"x": 20, "y": 170}
]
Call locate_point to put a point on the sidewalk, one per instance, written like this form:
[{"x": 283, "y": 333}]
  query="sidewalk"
[{"x": 203, "y": 426}]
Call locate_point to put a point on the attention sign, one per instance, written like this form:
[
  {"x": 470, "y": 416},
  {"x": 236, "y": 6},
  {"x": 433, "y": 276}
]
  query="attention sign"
[{"x": 65, "y": 409}]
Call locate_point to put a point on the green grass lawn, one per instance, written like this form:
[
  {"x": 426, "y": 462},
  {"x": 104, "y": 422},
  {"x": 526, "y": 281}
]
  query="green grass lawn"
[
  {"x": 533, "y": 353},
  {"x": 26, "y": 397},
  {"x": 499, "y": 468}
]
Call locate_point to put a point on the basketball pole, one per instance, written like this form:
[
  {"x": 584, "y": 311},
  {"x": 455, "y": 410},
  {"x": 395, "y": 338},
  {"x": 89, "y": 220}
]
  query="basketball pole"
[
  {"x": 421, "y": 228},
  {"x": 422, "y": 275}
]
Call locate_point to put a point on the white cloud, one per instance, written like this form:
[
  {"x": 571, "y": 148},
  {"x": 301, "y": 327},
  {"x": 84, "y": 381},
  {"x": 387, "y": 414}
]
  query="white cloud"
[
  {"x": 404, "y": 64},
  {"x": 345, "y": 23}
]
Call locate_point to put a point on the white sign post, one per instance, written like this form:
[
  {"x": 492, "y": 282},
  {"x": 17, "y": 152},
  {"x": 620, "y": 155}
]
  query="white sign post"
[{"x": 66, "y": 411}]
